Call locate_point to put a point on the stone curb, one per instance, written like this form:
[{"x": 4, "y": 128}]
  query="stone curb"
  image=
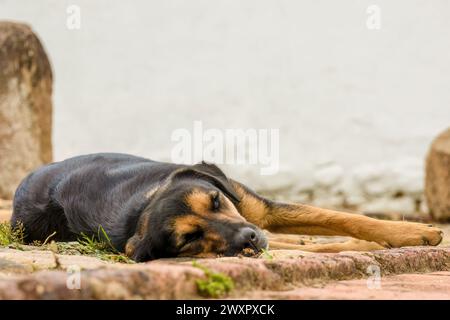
[{"x": 176, "y": 279}]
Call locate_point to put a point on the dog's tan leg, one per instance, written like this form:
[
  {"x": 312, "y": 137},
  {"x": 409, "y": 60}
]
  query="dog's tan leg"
[
  {"x": 289, "y": 238},
  {"x": 303, "y": 219},
  {"x": 351, "y": 245}
]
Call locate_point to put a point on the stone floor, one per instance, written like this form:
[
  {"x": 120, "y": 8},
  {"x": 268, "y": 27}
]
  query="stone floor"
[
  {"x": 424, "y": 286},
  {"x": 405, "y": 273}
]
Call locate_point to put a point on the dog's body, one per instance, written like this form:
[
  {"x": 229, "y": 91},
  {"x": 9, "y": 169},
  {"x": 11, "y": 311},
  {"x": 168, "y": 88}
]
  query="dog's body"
[
  {"x": 80, "y": 194},
  {"x": 152, "y": 209}
]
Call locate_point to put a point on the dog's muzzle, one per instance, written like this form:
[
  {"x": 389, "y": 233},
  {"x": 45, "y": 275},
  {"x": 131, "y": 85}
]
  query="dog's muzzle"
[{"x": 250, "y": 238}]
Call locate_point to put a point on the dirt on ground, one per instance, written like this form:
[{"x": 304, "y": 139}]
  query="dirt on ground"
[{"x": 46, "y": 272}]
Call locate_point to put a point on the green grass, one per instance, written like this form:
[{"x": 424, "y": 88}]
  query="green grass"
[
  {"x": 266, "y": 254},
  {"x": 101, "y": 247},
  {"x": 10, "y": 236},
  {"x": 215, "y": 285},
  {"x": 98, "y": 246}
]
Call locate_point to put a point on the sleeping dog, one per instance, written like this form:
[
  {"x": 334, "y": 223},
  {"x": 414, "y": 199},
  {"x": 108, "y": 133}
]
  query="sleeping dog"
[{"x": 151, "y": 210}]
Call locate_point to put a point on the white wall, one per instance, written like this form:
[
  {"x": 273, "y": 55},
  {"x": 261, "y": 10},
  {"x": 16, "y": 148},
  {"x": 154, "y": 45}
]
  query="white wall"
[{"x": 356, "y": 108}]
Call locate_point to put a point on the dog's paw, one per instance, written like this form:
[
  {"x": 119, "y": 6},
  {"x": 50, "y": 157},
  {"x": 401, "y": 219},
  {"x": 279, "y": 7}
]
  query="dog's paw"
[{"x": 403, "y": 234}]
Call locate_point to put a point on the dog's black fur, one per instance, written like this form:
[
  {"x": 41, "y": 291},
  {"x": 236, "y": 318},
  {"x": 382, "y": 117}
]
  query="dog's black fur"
[{"x": 114, "y": 191}]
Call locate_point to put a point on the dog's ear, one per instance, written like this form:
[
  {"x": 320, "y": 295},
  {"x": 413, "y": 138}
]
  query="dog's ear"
[
  {"x": 140, "y": 246},
  {"x": 213, "y": 174},
  {"x": 134, "y": 248},
  {"x": 210, "y": 168}
]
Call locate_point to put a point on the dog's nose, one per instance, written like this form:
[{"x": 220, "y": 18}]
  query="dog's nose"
[{"x": 247, "y": 236}]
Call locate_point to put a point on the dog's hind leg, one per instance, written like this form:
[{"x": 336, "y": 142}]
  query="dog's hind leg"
[
  {"x": 351, "y": 245},
  {"x": 303, "y": 219}
]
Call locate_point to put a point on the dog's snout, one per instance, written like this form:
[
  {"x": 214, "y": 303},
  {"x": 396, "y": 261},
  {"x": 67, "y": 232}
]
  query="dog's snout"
[{"x": 247, "y": 235}]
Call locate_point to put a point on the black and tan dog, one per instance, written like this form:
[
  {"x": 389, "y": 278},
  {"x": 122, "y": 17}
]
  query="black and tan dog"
[{"x": 152, "y": 210}]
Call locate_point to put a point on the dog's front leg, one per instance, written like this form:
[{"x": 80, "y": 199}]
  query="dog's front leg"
[
  {"x": 303, "y": 219},
  {"x": 351, "y": 245}
]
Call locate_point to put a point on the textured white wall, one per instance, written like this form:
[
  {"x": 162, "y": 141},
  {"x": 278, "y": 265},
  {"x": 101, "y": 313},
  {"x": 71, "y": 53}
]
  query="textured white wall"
[{"x": 356, "y": 108}]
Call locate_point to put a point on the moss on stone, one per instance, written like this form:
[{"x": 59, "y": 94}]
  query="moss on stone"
[{"x": 215, "y": 285}]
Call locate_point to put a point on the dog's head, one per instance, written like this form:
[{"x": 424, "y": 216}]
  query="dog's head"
[{"x": 193, "y": 214}]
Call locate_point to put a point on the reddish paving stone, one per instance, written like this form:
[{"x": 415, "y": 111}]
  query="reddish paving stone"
[
  {"x": 397, "y": 287},
  {"x": 176, "y": 278},
  {"x": 290, "y": 274},
  {"x": 35, "y": 260}
]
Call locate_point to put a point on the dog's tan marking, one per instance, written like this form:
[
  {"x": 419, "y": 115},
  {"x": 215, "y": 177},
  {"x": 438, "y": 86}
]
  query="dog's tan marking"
[
  {"x": 187, "y": 224},
  {"x": 210, "y": 245},
  {"x": 213, "y": 243},
  {"x": 200, "y": 203},
  {"x": 251, "y": 206}
]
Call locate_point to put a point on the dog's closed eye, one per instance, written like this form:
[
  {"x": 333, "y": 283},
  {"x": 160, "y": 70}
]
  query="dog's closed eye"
[{"x": 215, "y": 201}]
